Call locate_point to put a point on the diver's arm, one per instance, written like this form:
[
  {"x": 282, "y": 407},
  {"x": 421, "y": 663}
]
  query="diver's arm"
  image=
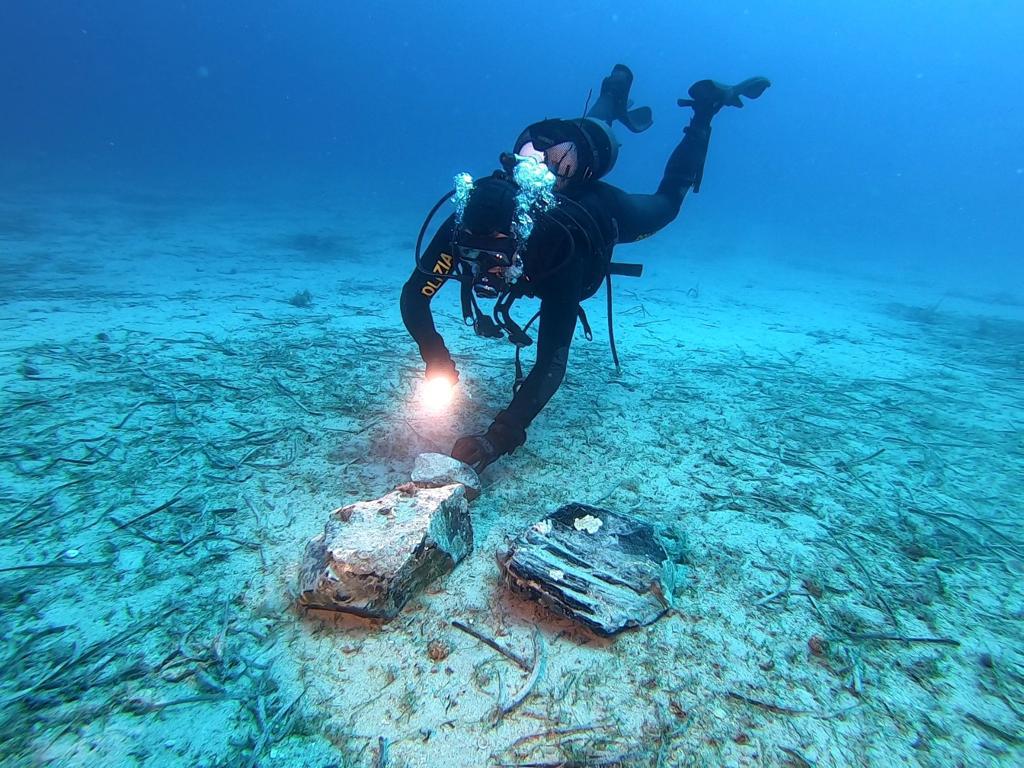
[
  {"x": 559, "y": 310},
  {"x": 558, "y": 315},
  {"x": 508, "y": 430},
  {"x": 436, "y": 266}
]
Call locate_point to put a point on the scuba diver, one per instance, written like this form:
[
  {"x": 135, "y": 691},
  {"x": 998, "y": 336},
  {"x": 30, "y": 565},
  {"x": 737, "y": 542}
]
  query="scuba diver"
[{"x": 544, "y": 226}]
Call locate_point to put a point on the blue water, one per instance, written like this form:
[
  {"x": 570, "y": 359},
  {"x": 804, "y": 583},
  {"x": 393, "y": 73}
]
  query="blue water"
[
  {"x": 894, "y": 129},
  {"x": 821, "y": 391}
]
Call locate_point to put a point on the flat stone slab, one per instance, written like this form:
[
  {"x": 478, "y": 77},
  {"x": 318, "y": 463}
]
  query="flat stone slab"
[
  {"x": 373, "y": 556},
  {"x": 436, "y": 469},
  {"x": 606, "y": 570}
]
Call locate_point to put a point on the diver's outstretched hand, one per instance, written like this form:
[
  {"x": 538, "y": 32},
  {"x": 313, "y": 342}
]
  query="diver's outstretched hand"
[
  {"x": 709, "y": 96},
  {"x": 480, "y": 451}
]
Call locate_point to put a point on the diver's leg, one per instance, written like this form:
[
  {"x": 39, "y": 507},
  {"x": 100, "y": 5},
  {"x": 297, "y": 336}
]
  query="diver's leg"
[
  {"x": 685, "y": 167},
  {"x": 640, "y": 216}
]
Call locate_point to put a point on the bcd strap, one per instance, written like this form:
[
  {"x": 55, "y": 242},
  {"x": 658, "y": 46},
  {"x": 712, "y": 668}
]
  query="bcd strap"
[
  {"x": 585, "y": 323},
  {"x": 520, "y": 378},
  {"x": 486, "y": 327},
  {"x": 611, "y": 326},
  {"x": 626, "y": 270},
  {"x": 466, "y": 298},
  {"x": 515, "y": 333},
  {"x": 471, "y": 314}
]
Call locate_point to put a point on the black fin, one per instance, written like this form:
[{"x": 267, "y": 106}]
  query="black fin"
[
  {"x": 712, "y": 95},
  {"x": 614, "y": 103},
  {"x": 638, "y": 120},
  {"x": 752, "y": 87}
]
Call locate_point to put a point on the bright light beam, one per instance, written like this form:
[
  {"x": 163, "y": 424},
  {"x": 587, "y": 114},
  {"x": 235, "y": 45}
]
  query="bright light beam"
[{"x": 436, "y": 393}]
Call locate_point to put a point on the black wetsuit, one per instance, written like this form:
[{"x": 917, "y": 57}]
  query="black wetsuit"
[{"x": 559, "y": 274}]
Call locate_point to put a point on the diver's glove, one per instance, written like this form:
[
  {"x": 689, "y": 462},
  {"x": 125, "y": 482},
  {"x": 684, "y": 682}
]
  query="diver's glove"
[
  {"x": 442, "y": 365},
  {"x": 708, "y": 96},
  {"x": 480, "y": 451}
]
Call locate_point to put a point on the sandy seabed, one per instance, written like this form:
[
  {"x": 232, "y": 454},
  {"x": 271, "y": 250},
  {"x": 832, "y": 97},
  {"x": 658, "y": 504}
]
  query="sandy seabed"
[{"x": 841, "y": 452}]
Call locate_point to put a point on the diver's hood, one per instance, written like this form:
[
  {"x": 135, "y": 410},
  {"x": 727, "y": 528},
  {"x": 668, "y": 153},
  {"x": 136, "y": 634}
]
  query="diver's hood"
[
  {"x": 603, "y": 144},
  {"x": 596, "y": 146}
]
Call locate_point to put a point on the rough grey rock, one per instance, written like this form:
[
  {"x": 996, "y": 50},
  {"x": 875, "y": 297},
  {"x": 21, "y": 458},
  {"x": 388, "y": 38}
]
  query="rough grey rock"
[
  {"x": 373, "y": 556},
  {"x": 436, "y": 469},
  {"x": 605, "y": 570}
]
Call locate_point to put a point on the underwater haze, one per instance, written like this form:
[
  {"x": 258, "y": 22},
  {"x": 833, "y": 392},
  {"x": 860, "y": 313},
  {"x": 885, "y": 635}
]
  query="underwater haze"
[{"x": 208, "y": 211}]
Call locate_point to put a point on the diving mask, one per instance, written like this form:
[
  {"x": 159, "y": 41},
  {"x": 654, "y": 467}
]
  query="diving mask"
[{"x": 494, "y": 262}]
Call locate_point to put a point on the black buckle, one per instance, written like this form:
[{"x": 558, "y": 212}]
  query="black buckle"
[
  {"x": 486, "y": 327},
  {"x": 518, "y": 337}
]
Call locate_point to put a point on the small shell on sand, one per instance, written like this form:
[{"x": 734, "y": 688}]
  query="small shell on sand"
[{"x": 438, "y": 650}]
